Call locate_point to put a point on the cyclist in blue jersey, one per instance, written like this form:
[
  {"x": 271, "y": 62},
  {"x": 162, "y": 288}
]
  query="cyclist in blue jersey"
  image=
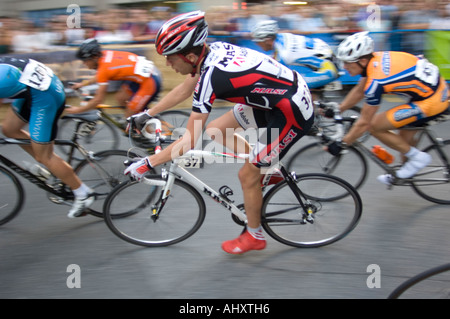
[
  {"x": 311, "y": 57},
  {"x": 267, "y": 95},
  {"x": 39, "y": 100}
]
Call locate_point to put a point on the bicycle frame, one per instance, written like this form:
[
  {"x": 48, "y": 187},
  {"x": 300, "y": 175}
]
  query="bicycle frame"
[
  {"x": 60, "y": 192},
  {"x": 177, "y": 171}
]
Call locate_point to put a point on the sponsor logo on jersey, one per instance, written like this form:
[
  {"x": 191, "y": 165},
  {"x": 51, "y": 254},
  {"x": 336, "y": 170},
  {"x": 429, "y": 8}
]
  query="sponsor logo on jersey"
[
  {"x": 386, "y": 62},
  {"x": 269, "y": 91}
]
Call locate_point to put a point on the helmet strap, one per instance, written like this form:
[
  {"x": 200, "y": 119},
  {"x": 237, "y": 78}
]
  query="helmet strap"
[{"x": 196, "y": 63}]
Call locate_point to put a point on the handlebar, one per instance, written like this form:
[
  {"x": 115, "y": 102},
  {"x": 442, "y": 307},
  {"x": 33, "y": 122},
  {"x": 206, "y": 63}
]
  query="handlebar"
[{"x": 152, "y": 131}]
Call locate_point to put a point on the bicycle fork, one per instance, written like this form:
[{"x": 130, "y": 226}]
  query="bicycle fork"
[
  {"x": 166, "y": 184},
  {"x": 307, "y": 207}
]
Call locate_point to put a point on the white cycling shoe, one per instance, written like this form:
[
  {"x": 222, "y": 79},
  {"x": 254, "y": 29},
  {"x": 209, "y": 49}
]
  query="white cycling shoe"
[
  {"x": 80, "y": 205},
  {"x": 409, "y": 169}
]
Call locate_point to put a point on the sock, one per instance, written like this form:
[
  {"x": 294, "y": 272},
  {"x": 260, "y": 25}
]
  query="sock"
[
  {"x": 412, "y": 151},
  {"x": 82, "y": 191},
  {"x": 256, "y": 232}
]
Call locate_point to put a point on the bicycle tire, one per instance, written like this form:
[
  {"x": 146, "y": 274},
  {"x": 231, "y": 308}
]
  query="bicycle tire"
[
  {"x": 105, "y": 136},
  {"x": 434, "y": 192},
  {"x": 333, "y": 218},
  {"x": 312, "y": 158},
  {"x": 182, "y": 215},
  {"x": 13, "y": 195},
  {"x": 111, "y": 165},
  {"x": 397, "y": 292}
]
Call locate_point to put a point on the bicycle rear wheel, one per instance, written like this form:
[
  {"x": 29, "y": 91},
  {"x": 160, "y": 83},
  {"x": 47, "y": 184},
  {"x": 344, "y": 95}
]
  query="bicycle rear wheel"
[
  {"x": 12, "y": 197},
  {"x": 351, "y": 165},
  {"x": 103, "y": 175},
  {"x": 433, "y": 182},
  {"x": 182, "y": 214},
  {"x": 333, "y": 217}
]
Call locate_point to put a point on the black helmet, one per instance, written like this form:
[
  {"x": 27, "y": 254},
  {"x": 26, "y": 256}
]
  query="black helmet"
[{"x": 88, "y": 49}]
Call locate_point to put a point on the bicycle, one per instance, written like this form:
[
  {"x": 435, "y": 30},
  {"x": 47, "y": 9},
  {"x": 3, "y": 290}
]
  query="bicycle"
[
  {"x": 101, "y": 171},
  {"x": 432, "y": 183},
  {"x": 407, "y": 285},
  {"x": 106, "y": 125},
  {"x": 309, "y": 210}
]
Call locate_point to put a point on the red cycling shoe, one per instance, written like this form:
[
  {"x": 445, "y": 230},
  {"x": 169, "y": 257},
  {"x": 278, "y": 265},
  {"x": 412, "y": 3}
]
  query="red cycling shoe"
[{"x": 245, "y": 242}]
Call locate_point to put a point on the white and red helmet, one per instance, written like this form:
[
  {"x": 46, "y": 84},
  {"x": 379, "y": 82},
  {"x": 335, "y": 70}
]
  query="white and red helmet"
[{"x": 182, "y": 32}]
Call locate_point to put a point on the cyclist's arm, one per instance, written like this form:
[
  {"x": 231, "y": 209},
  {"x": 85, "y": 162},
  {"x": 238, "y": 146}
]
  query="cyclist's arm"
[
  {"x": 99, "y": 97},
  {"x": 194, "y": 130},
  {"x": 177, "y": 95},
  {"x": 362, "y": 124},
  {"x": 355, "y": 95}
]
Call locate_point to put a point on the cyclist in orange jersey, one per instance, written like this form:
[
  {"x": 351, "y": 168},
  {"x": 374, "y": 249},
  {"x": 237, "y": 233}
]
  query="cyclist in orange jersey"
[
  {"x": 400, "y": 73},
  {"x": 142, "y": 80}
]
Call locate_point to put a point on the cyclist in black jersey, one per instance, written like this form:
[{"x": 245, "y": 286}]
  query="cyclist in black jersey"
[{"x": 267, "y": 94}]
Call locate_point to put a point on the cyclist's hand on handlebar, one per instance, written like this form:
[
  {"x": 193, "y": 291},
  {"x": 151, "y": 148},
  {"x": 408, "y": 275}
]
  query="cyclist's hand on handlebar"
[
  {"x": 335, "y": 148},
  {"x": 329, "y": 109},
  {"x": 137, "y": 121},
  {"x": 138, "y": 169}
]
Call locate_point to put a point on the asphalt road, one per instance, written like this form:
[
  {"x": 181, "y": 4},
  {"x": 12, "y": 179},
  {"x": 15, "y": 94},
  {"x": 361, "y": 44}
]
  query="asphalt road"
[{"x": 399, "y": 236}]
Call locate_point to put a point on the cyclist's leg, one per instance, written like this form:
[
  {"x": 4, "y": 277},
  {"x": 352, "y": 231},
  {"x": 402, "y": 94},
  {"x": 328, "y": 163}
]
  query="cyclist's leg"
[
  {"x": 16, "y": 118},
  {"x": 282, "y": 131},
  {"x": 144, "y": 92},
  {"x": 45, "y": 110},
  {"x": 224, "y": 129},
  {"x": 402, "y": 115},
  {"x": 123, "y": 95}
]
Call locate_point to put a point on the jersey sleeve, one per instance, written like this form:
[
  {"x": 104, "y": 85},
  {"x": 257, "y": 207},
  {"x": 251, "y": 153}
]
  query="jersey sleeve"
[
  {"x": 373, "y": 92},
  {"x": 204, "y": 95}
]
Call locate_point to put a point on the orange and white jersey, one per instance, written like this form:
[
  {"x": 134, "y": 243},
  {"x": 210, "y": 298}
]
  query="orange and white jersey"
[
  {"x": 400, "y": 73},
  {"x": 121, "y": 65}
]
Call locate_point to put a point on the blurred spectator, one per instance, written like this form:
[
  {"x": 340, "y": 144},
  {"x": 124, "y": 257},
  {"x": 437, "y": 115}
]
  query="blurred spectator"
[
  {"x": 6, "y": 27},
  {"x": 218, "y": 21},
  {"x": 442, "y": 21},
  {"x": 158, "y": 15},
  {"x": 416, "y": 17},
  {"x": 257, "y": 13},
  {"x": 311, "y": 21},
  {"x": 291, "y": 16}
]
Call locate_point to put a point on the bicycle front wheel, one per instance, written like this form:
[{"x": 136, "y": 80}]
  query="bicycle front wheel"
[
  {"x": 12, "y": 195},
  {"x": 433, "y": 182},
  {"x": 351, "y": 165},
  {"x": 333, "y": 217},
  {"x": 103, "y": 174},
  {"x": 99, "y": 135},
  {"x": 181, "y": 216}
]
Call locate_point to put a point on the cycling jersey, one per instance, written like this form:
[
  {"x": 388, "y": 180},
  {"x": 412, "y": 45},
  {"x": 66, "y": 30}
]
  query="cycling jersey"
[
  {"x": 308, "y": 56},
  {"x": 411, "y": 77},
  {"x": 39, "y": 97},
  {"x": 254, "y": 80},
  {"x": 129, "y": 67}
]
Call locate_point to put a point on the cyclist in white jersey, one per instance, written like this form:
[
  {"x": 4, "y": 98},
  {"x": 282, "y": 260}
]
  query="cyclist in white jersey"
[
  {"x": 311, "y": 57},
  {"x": 267, "y": 94}
]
